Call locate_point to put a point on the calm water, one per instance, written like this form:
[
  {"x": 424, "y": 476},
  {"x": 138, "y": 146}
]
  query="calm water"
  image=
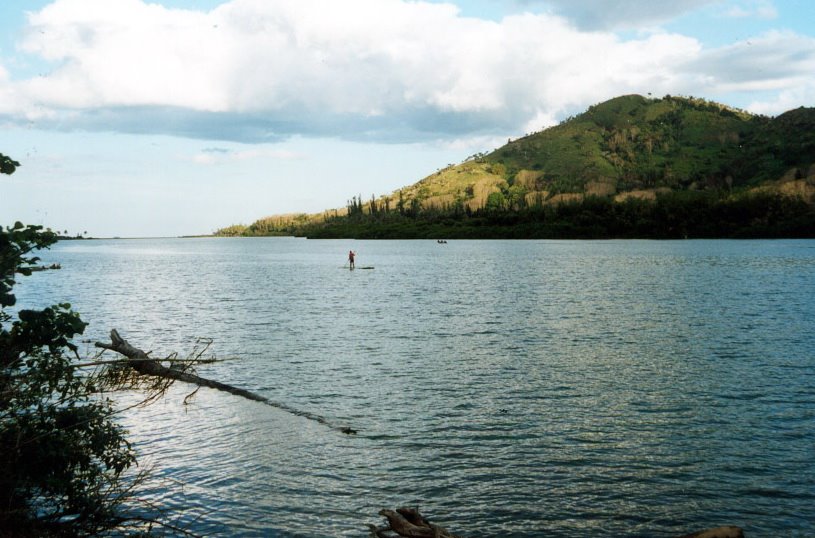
[{"x": 532, "y": 388}]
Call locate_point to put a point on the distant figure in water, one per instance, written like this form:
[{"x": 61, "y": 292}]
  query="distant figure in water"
[{"x": 351, "y": 255}]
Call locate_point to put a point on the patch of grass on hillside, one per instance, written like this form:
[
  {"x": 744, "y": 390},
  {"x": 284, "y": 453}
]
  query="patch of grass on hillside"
[{"x": 467, "y": 182}]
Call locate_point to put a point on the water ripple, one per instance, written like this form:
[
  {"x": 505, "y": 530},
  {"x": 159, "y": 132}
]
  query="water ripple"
[{"x": 624, "y": 388}]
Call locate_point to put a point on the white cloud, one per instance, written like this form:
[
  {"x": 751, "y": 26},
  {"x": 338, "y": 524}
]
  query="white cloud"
[
  {"x": 212, "y": 156},
  {"x": 774, "y": 61},
  {"x": 785, "y": 100},
  {"x": 619, "y": 14},
  {"x": 760, "y": 9},
  {"x": 124, "y": 52},
  {"x": 389, "y": 70}
]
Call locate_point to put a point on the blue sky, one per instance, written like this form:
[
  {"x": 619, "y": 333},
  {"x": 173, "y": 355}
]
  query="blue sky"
[{"x": 177, "y": 117}]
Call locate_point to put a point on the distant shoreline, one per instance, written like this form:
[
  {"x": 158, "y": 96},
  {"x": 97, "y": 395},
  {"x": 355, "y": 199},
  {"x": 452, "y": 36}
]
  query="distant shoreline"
[{"x": 63, "y": 238}]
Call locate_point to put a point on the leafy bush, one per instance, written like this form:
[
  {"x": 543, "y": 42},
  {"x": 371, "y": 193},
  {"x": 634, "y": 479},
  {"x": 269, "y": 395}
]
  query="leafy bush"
[{"x": 61, "y": 455}]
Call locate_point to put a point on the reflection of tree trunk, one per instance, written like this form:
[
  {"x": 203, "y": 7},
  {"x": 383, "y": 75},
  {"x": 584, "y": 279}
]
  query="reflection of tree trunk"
[{"x": 143, "y": 364}]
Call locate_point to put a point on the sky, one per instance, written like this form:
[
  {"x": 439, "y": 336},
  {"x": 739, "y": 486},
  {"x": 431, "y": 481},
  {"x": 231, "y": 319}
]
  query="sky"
[{"x": 137, "y": 118}]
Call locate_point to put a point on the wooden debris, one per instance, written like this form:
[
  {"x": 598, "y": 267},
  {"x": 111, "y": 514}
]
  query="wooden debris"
[
  {"x": 408, "y": 523},
  {"x": 35, "y": 268}
]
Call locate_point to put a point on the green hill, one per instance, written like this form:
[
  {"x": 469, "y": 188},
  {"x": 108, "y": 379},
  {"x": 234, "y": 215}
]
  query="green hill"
[
  {"x": 631, "y": 143},
  {"x": 628, "y": 142},
  {"x": 629, "y": 147}
]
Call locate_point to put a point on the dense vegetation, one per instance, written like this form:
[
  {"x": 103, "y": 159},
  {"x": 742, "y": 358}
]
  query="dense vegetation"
[
  {"x": 629, "y": 167},
  {"x": 675, "y": 215},
  {"x": 63, "y": 458},
  {"x": 680, "y": 143}
]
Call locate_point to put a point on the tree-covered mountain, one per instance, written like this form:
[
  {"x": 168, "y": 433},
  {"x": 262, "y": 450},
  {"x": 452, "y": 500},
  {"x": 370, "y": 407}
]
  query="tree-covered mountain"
[
  {"x": 631, "y": 142},
  {"x": 630, "y": 149}
]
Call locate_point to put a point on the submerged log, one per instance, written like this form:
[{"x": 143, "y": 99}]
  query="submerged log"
[{"x": 142, "y": 363}]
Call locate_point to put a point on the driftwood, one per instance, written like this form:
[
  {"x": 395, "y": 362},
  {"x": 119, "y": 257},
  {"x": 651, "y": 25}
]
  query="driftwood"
[
  {"x": 142, "y": 363},
  {"x": 409, "y": 523},
  {"x": 35, "y": 268}
]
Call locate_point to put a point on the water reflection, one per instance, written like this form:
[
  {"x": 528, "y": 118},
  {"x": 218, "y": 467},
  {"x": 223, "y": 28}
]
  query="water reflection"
[{"x": 513, "y": 388}]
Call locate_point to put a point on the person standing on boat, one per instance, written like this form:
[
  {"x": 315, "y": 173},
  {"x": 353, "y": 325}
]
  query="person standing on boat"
[{"x": 351, "y": 255}]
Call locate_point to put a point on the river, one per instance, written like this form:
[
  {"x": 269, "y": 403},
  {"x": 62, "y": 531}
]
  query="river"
[{"x": 512, "y": 388}]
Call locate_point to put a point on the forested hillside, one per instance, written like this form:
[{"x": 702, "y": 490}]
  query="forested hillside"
[{"x": 620, "y": 169}]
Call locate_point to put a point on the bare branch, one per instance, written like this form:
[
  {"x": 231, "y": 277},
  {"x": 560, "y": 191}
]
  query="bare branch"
[{"x": 140, "y": 363}]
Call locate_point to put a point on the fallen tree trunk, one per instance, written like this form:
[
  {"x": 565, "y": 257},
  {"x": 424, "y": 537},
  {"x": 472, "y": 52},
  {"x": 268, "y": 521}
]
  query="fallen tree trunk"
[{"x": 142, "y": 363}]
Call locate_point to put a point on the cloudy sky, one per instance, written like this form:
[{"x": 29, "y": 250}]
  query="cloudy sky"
[{"x": 172, "y": 117}]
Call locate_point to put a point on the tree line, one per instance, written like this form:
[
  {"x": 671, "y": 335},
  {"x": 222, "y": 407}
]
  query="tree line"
[{"x": 672, "y": 215}]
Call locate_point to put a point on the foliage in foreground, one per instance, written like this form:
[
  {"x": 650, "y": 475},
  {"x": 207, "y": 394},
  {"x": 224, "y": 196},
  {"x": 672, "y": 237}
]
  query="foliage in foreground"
[{"x": 62, "y": 457}]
